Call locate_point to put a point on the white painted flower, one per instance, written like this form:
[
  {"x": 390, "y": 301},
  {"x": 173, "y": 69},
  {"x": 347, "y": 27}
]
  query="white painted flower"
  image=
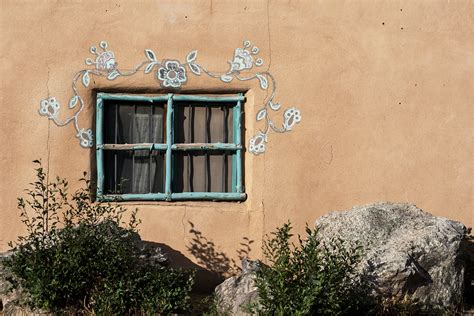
[
  {"x": 49, "y": 107},
  {"x": 258, "y": 143},
  {"x": 242, "y": 60},
  {"x": 85, "y": 136},
  {"x": 292, "y": 117},
  {"x": 105, "y": 60},
  {"x": 172, "y": 74}
]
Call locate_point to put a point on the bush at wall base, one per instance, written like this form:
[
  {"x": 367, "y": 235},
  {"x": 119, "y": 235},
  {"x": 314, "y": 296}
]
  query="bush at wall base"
[
  {"x": 80, "y": 256},
  {"x": 310, "y": 278}
]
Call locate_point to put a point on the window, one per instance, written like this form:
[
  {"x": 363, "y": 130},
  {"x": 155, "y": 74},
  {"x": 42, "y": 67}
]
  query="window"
[{"x": 169, "y": 147}]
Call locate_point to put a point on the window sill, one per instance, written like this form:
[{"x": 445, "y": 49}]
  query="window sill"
[{"x": 185, "y": 196}]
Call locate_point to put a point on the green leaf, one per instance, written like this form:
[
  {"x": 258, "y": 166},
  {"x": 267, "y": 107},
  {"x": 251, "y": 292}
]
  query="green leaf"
[
  {"x": 261, "y": 114},
  {"x": 191, "y": 56},
  {"x": 150, "y": 55},
  {"x": 263, "y": 81},
  {"x": 112, "y": 75},
  {"x": 86, "y": 79},
  {"x": 149, "y": 67},
  {"x": 73, "y": 101}
]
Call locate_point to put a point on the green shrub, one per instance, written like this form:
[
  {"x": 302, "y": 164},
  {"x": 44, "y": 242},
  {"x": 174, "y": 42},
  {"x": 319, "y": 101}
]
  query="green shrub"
[
  {"x": 79, "y": 255},
  {"x": 310, "y": 278}
]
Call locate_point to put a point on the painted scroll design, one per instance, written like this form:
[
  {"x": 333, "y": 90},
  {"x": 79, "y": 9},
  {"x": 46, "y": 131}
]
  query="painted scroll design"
[{"x": 173, "y": 74}]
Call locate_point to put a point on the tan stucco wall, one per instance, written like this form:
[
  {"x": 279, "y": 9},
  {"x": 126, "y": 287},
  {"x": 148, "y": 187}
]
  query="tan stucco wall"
[{"x": 385, "y": 89}]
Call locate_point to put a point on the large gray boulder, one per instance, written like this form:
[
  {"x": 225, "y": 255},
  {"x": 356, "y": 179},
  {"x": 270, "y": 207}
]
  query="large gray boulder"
[{"x": 408, "y": 253}]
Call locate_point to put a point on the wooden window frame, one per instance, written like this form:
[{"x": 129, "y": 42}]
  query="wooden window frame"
[{"x": 169, "y": 147}]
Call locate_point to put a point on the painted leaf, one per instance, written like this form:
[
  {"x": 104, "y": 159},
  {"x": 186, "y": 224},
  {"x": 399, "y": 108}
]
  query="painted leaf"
[
  {"x": 263, "y": 81},
  {"x": 149, "y": 67},
  {"x": 274, "y": 106},
  {"x": 226, "y": 78},
  {"x": 191, "y": 56},
  {"x": 86, "y": 79},
  {"x": 114, "y": 74},
  {"x": 261, "y": 114},
  {"x": 195, "y": 69},
  {"x": 150, "y": 54},
  {"x": 73, "y": 101}
]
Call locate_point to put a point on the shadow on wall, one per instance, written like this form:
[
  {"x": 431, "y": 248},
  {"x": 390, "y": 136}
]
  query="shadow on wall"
[{"x": 213, "y": 265}]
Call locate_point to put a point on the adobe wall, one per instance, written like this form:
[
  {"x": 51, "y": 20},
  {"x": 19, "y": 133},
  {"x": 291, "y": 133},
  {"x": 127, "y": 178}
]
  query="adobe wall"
[{"x": 385, "y": 90}]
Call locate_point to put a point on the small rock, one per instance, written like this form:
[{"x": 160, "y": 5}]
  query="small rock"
[{"x": 238, "y": 292}]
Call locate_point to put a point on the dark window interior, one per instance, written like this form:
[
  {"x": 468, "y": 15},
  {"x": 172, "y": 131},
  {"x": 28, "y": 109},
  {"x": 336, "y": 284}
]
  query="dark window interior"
[
  {"x": 134, "y": 122},
  {"x": 203, "y": 171},
  {"x": 143, "y": 171},
  {"x": 202, "y": 123}
]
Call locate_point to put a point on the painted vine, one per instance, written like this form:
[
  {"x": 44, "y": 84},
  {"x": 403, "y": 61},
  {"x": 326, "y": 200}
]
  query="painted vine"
[{"x": 173, "y": 74}]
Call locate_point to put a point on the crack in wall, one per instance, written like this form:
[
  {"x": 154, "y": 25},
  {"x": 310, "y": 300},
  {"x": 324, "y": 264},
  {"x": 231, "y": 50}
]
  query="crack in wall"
[
  {"x": 268, "y": 69},
  {"x": 184, "y": 225},
  {"x": 49, "y": 129},
  {"x": 269, "y": 37}
]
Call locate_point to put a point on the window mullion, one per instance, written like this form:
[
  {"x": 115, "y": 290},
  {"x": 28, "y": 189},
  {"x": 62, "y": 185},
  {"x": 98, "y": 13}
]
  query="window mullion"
[
  {"x": 237, "y": 140},
  {"x": 115, "y": 153},
  {"x": 190, "y": 139},
  {"x": 99, "y": 141},
  {"x": 133, "y": 132},
  {"x": 224, "y": 156},
  {"x": 208, "y": 140},
  {"x": 169, "y": 143},
  {"x": 150, "y": 139}
]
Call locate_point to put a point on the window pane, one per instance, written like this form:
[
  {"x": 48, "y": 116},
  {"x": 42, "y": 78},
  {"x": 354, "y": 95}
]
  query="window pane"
[
  {"x": 157, "y": 172},
  {"x": 132, "y": 123},
  {"x": 138, "y": 171},
  {"x": 118, "y": 172},
  {"x": 201, "y": 171},
  {"x": 200, "y": 123},
  {"x": 109, "y": 127},
  {"x": 148, "y": 124},
  {"x": 124, "y": 121},
  {"x": 141, "y": 172}
]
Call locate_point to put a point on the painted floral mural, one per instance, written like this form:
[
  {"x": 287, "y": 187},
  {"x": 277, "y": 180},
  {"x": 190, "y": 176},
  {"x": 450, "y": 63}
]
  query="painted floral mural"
[{"x": 171, "y": 73}]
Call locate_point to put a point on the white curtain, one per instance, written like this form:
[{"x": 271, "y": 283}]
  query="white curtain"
[{"x": 144, "y": 171}]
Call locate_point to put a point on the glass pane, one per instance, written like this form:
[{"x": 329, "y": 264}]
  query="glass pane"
[
  {"x": 133, "y": 122},
  {"x": 124, "y": 123},
  {"x": 109, "y": 123},
  {"x": 117, "y": 172},
  {"x": 141, "y": 172},
  {"x": 203, "y": 123},
  {"x": 138, "y": 171},
  {"x": 157, "y": 125},
  {"x": 157, "y": 172},
  {"x": 201, "y": 171},
  {"x": 148, "y": 124}
]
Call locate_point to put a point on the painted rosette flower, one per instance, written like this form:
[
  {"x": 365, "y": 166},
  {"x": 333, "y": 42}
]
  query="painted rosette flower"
[
  {"x": 258, "y": 143},
  {"x": 105, "y": 61},
  {"x": 172, "y": 74},
  {"x": 292, "y": 117},
  {"x": 242, "y": 60},
  {"x": 85, "y": 137},
  {"x": 49, "y": 107}
]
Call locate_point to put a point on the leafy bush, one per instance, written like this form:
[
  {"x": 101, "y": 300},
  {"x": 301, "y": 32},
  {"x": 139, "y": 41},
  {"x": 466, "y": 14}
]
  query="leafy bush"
[
  {"x": 76, "y": 256},
  {"x": 310, "y": 278}
]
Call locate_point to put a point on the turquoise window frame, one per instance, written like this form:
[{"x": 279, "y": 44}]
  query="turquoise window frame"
[{"x": 169, "y": 147}]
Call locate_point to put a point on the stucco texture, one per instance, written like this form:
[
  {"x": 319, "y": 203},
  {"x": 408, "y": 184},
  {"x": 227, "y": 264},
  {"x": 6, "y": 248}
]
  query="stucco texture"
[{"x": 385, "y": 89}]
